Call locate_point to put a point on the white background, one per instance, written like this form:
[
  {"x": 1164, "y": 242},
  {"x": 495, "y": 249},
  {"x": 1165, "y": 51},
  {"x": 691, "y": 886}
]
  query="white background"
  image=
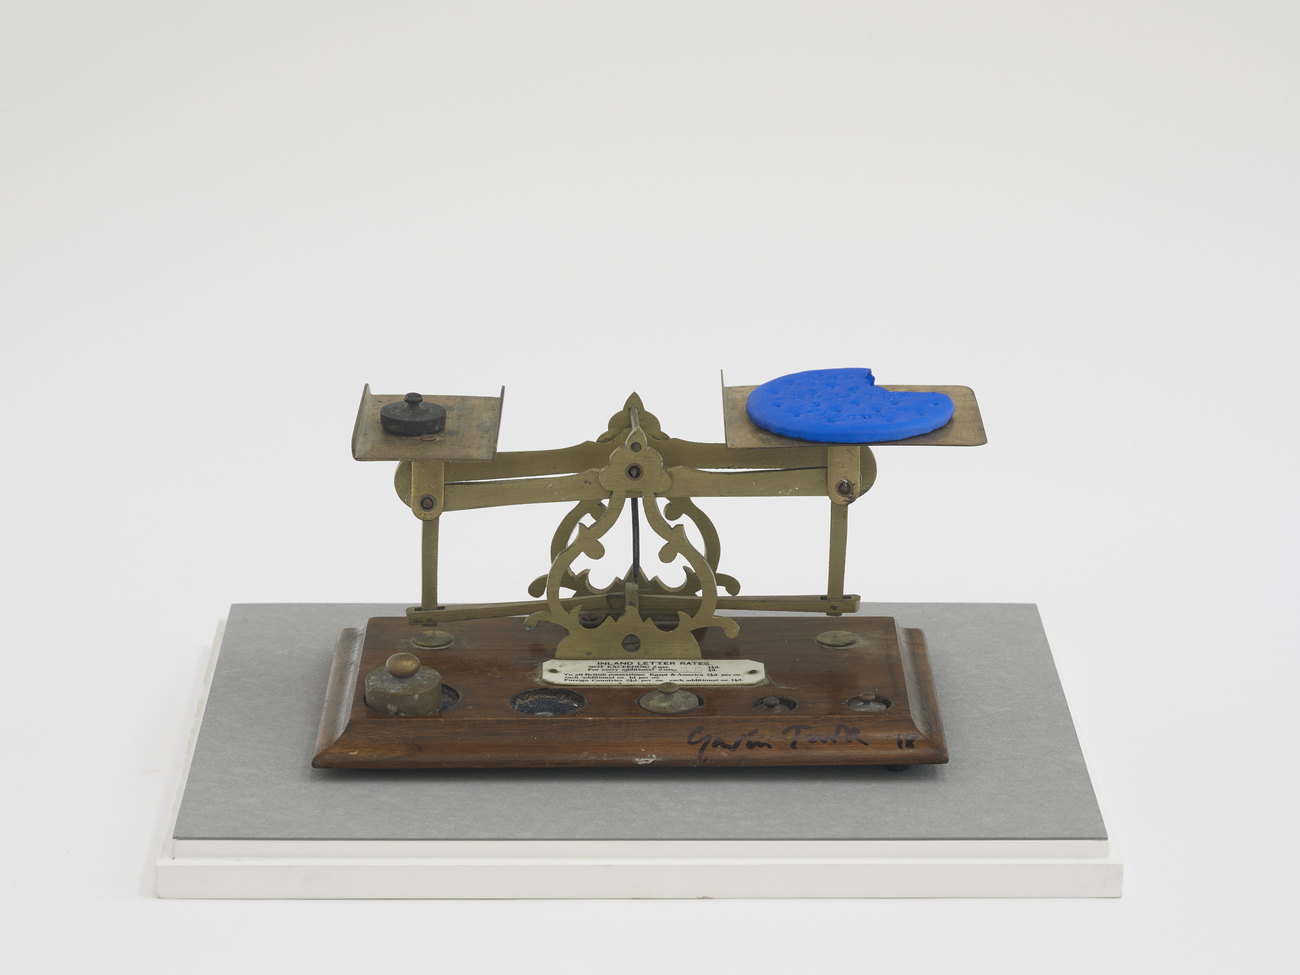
[{"x": 219, "y": 220}]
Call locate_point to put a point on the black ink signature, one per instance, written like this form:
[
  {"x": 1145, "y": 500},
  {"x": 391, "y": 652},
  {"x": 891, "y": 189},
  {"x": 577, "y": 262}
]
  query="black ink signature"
[
  {"x": 808, "y": 735},
  {"x": 749, "y": 740}
]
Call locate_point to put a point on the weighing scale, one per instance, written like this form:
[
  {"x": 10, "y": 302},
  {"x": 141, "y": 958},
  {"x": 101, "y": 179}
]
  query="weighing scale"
[{"x": 638, "y": 672}]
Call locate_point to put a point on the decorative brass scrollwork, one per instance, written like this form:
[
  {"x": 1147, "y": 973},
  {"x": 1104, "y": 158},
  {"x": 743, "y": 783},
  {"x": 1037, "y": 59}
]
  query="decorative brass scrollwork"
[{"x": 635, "y": 471}]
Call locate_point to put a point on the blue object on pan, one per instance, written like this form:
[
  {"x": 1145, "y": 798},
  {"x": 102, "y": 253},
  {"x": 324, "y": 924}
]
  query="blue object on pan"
[{"x": 844, "y": 406}]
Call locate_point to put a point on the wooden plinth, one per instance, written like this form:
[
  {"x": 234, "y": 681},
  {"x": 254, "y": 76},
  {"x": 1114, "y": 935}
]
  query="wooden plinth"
[{"x": 492, "y": 661}]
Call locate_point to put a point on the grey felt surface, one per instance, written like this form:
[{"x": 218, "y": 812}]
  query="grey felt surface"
[{"x": 1015, "y": 770}]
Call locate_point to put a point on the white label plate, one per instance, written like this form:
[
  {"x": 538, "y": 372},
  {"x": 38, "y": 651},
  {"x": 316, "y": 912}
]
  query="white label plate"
[{"x": 650, "y": 673}]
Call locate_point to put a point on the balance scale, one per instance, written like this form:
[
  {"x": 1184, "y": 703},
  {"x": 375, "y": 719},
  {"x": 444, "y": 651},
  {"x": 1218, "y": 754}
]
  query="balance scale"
[{"x": 635, "y": 673}]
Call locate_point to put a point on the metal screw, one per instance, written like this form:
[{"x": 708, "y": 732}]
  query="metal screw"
[
  {"x": 631, "y": 643},
  {"x": 845, "y": 488},
  {"x": 634, "y": 471},
  {"x": 868, "y": 701},
  {"x": 836, "y": 638},
  {"x": 428, "y": 502},
  {"x": 774, "y": 704},
  {"x": 636, "y": 447}
]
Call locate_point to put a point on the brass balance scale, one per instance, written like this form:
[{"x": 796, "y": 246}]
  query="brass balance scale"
[{"x": 636, "y": 673}]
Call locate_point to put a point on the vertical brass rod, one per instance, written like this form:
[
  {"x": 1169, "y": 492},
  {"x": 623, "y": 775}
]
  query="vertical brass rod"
[
  {"x": 429, "y": 564},
  {"x": 838, "y": 548},
  {"x": 636, "y": 542}
]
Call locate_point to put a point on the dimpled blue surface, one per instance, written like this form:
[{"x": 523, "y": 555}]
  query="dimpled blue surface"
[{"x": 844, "y": 406}]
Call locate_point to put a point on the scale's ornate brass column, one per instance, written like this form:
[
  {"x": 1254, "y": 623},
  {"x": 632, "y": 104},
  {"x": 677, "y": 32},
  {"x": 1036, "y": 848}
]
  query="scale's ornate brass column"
[{"x": 635, "y": 471}]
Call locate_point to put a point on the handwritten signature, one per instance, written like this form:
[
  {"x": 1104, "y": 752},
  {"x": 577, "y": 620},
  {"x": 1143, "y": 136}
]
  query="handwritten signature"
[
  {"x": 749, "y": 740},
  {"x": 795, "y": 734}
]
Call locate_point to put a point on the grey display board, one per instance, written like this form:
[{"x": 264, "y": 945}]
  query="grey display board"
[{"x": 1016, "y": 771}]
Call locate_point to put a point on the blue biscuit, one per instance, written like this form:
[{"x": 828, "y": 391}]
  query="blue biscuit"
[{"x": 844, "y": 406}]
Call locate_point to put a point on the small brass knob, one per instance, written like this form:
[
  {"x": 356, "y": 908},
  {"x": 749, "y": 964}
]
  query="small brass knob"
[{"x": 403, "y": 665}]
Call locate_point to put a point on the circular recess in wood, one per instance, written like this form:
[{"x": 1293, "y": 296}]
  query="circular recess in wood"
[{"x": 548, "y": 702}]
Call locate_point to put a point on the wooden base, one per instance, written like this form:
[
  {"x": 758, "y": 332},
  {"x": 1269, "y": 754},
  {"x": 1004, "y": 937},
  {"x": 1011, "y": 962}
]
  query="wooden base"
[{"x": 490, "y": 662}]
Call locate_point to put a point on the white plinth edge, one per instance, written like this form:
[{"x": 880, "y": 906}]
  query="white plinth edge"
[{"x": 636, "y": 869}]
